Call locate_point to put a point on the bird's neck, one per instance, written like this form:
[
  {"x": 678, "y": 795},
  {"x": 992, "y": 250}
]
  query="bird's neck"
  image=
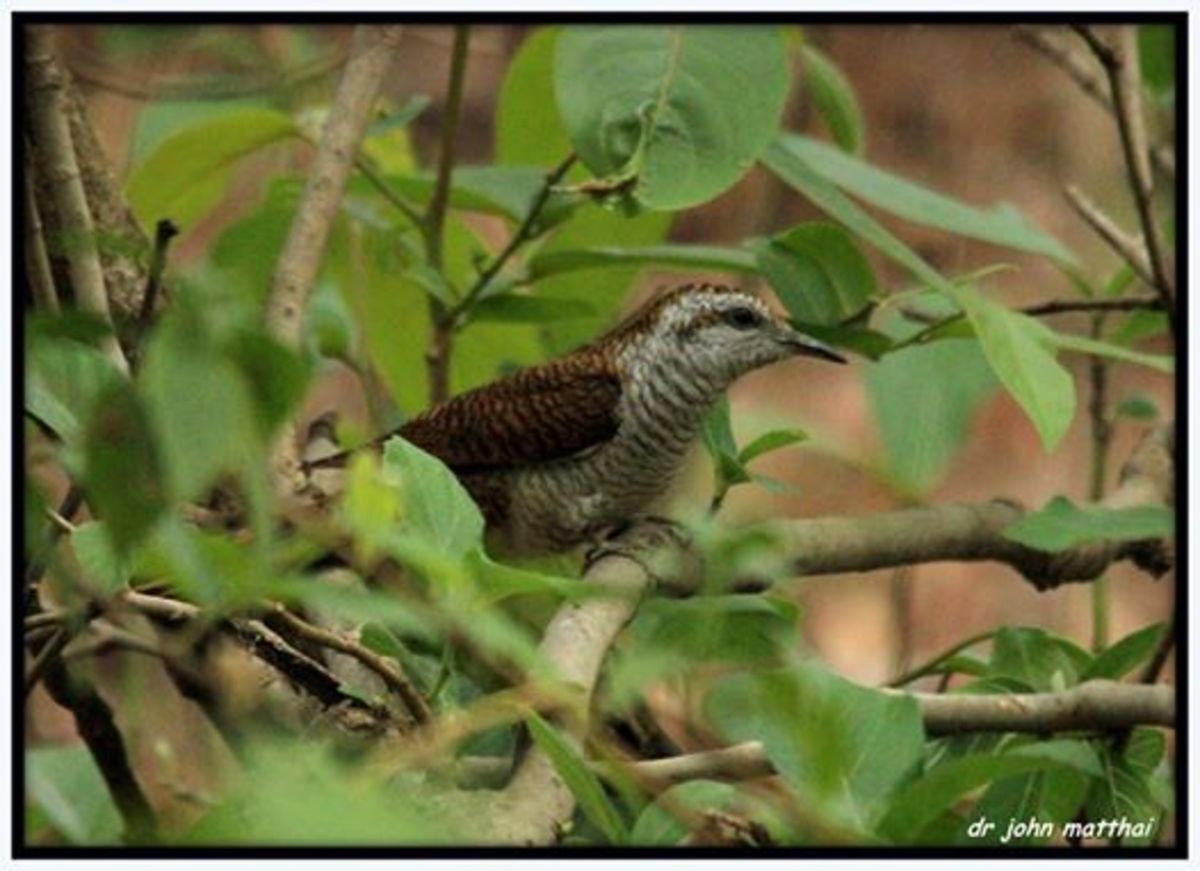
[{"x": 678, "y": 391}]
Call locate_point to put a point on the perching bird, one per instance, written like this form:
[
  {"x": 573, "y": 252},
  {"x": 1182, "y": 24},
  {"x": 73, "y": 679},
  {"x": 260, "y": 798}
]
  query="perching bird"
[{"x": 559, "y": 452}]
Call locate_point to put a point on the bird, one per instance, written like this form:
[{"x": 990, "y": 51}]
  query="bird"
[{"x": 557, "y": 453}]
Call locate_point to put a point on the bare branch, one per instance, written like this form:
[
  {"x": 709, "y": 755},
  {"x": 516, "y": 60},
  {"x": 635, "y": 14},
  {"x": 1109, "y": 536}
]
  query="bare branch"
[
  {"x": 393, "y": 676},
  {"x": 37, "y": 261},
  {"x": 55, "y": 149},
  {"x": 1128, "y": 248},
  {"x": 1120, "y": 61},
  {"x": 371, "y": 54}
]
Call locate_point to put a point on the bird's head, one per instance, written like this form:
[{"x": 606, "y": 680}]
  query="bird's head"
[{"x": 722, "y": 331}]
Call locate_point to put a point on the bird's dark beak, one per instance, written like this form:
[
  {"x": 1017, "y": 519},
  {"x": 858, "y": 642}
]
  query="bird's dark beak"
[{"x": 807, "y": 346}]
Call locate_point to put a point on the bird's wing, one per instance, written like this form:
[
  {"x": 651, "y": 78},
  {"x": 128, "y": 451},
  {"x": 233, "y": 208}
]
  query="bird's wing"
[{"x": 541, "y": 414}]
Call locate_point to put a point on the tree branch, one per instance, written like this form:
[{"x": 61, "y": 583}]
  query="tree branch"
[
  {"x": 442, "y": 340},
  {"x": 1128, "y": 248},
  {"x": 37, "y": 260},
  {"x": 972, "y": 532},
  {"x": 1120, "y": 62},
  {"x": 300, "y": 260},
  {"x": 55, "y": 149}
]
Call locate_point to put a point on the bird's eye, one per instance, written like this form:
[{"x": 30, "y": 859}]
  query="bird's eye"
[{"x": 743, "y": 318}]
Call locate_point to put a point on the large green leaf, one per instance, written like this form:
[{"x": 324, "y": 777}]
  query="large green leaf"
[
  {"x": 1061, "y": 525},
  {"x": 818, "y": 272},
  {"x": 187, "y": 173},
  {"x": 63, "y": 380},
  {"x": 583, "y": 784},
  {"x": 680, "y": 111},
  {"x": 93, "y": 549},
  {"x": 1035, "y": 658},
  {"x": 1002, "y": 225},
  {"x": 844, "y": 748},
  {"x": 434, "y": 505},
  {"x": 730, "y": 628},
  {"x": 706, "y": 257},
  {"x": 924, "y": 397},
  {"x": 1125, "y": 655},
  {"x": 1014, "y": 344},
  {"x": 528, "y": 92},
  {"x": 833, "y": 98},
  {"x": 64, "y": 783}
]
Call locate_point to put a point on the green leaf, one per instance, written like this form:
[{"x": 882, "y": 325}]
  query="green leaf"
[
  {"x": 64, "y": 783},
  {"x": 1156, "y": 56},
  {"x": 924, "y": 398},
  {"x": 93, "y": 548},
  {"x": 868, "y": 343},
  {"x": 187, "y": 173},
  {"x": 1038, "y": 660},
  {"x": 64, "y": 379},
  {"x": 1061, "y": 525},
  {"x": 718, "y": 628},
  {"x": 435, "y": 507},
  {"x": 1001, "y": 225},
  {"x": 1139, "y": 326},
  {"x": 122, "y": 475},
  {"x": 1084, "y": 345},
  {"x": 770, "y": 441},
  {"x": 1125, "y": 655},
  {"x": 919, "y": 803},
  {"x": 844, "y": 748},
  {"x": 705, "y": 257},
  {"x": 1138, "y": 406},
  {"x": 1124, "y": 789},
  {"x": 833, "y": 98},
  {"x": 1053, "y": 796},
  {"x": 583, "y": 784},
  {"x": 818, "y": 272},
  {"x": 659, "y": 827},
  {"x": 682, "y": 111},
  {"x": 521, "y": 309},
  {"x": 201, "y": 407},
  {"x": 528, "y": 92},
  {"x": 276, "y": 375}
]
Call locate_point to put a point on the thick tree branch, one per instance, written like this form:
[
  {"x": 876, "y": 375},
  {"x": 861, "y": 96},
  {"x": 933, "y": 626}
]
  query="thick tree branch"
[
  {"x": 300, "y": 260},
  {"x": 55, "y": 151},
  {"x": 972, "y": 532},
  {"x": 1094, "y": 706}
]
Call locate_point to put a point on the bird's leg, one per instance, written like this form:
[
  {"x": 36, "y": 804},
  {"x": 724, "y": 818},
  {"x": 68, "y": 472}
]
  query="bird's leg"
[{"x": 662, "y": 547}]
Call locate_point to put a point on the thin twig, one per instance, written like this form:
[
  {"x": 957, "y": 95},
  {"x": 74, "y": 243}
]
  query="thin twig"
[
  {"x": 1120, "y": 62},
  {"x": 388, "y": 192},
  {"x": 55, "y": 149},
  {"x": 441, "y": 342},
  {"x": 1101, "y": 441},
  {"x": 1127, "y": 247},
  {"x": 164, "y": 232},
  {"x": 520, "y": 236},
  {"x": 41, "y": 661},
  {"x": 931, "y": 666},
  {"x": 1066, "y": 306},
  {"x": 387, "y": 669}
]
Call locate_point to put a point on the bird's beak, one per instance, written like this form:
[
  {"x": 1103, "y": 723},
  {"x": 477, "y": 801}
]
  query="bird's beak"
[{"x": 807, "y": 346}]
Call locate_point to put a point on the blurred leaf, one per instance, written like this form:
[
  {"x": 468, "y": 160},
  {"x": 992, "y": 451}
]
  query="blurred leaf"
[
  {"x": 1012, "y": 343},
  {"x": 122, "y": 476},
  {"x": 715, "y": 628},
  {"x": 666, "y": 106},
  {"x": 659, "y": 827},
  {"x": 1156, "y": 54},
  {"x": 924, "y": 398},
  {"x": 528, "y": 92},
  {"x": 844, "y": 748},
  {"x": 579, "y": 779},
  {"x": 201, "y": 406},
  {"x": 1084, "y": 345},
  {"x": 159, "y": 119},
  {"x": 818, "y": 272},
  {"x": 1138, "y": 406},
  {"x": 1052, "y": 795},
  {"x": 499, "y": 581},
  {"x": 276, "y": 375},
  {"x": 1001, "y": 225},
  {"x": 706, "y": 257},
  {"x": 93, "y": 548},
  {"x": 1139, "y": 326},
  {"x": 187, "y": 173},
  {"x": 508, "y": 191},
  {"x": 1124, "y": 790},
  {"x": 66, "y": 785},
  {"x": 64, "y": 378},
  {"x": 402, "y": 117},
  {"x": 1061, "y": 525},
  {"x": 920, "y": 802},
  {"x": 770, "y": 441},
  {"x": 521, "y": 309},
  {"x": 871, "y": 344},
  {"x": 833, "y": 98},
  {"x": 1034, "y": 657},
  {"x": 434, "y": 505},
  {"x": 1124, "y": 656}
]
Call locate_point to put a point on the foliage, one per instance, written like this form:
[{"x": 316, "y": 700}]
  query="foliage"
[{"x": 662, "y": 119}]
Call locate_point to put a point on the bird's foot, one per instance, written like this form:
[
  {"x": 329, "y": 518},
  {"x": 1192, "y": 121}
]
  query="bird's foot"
[{"x": 662, "y": 547}]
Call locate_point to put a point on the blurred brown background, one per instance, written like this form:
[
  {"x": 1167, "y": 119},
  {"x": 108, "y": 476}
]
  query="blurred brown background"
[{"x": 969, "y": 111}]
